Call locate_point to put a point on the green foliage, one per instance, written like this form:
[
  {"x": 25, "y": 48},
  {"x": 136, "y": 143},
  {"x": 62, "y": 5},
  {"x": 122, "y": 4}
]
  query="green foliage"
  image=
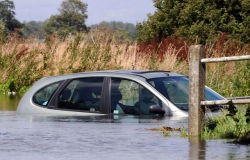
[
  {"x": 126, "y": 28},
  {"x": 123, "y": 36},
  {"x": 27, "y": 76},
  {"x": 183, "y": 131},
  {"x": 241, "y": 83},
  {"x": 168, "y": 130},
  {"x": 12, "y": 86},
  {"x": 2, "y": 31},
  {"x": 197, "y": 20},
  {"x": 8, "y": 86},
  {"x": 34, "y": 28},
  {"x": 229, "y": 126},
  {"x": 231, "y": 84},
  {"x": 12, "y": 62},
  {"x": 166, "y": 133},
  {"x": 23, "y": 89},
  {"x": 93, "y": 56},
  {"x": 70, "y": 20},
  {"x": 7, "y": 15},
  {"x": 51, "y": 45},
  {"x": 152, "y": 63}
]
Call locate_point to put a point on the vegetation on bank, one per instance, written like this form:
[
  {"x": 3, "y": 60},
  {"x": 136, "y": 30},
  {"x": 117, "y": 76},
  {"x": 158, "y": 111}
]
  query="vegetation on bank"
[
  {"x": 233, "y": 124},
  {"x": 24, "y": 61},
  {"x": 167, "y": 131}
]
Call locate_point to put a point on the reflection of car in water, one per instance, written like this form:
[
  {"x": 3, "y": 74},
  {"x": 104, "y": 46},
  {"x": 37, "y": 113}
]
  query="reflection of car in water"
[{"x": 134, "y": 92}]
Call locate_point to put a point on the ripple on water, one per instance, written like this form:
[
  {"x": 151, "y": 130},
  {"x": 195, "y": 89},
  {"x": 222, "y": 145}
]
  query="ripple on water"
[{"x": 41, "y": 137}]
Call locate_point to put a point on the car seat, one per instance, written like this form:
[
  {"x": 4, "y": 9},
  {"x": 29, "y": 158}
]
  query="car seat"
[
  {"x": 64, "y": 99},
  {"x": 116, "y": 96},
  {"x": 146, "y": 100},
  {"x": 65, "y": 95}
]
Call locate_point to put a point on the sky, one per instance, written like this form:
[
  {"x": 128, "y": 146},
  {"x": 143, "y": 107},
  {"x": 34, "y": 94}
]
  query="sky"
[{"x": 127, "y": 11}]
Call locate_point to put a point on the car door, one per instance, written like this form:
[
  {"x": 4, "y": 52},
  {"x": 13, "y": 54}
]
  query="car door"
[
  {"x": 130, "y": 97},
  {"x": 81, "y": 94}
]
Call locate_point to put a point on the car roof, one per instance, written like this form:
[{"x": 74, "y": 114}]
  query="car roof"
[{"x": 147, "y": 74}]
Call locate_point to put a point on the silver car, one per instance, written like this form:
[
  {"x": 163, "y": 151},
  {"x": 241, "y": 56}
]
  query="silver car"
[{"x": 134, "y": 92}]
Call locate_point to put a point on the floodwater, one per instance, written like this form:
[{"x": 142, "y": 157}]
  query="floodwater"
[{"x": 106, "y": 137}]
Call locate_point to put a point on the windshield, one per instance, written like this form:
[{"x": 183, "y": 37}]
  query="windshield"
[{"x": 176, "y": 90}]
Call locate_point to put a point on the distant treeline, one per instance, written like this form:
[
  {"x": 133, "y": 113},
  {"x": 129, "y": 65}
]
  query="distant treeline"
[
  {"x": 71, "y": 20},
  {"x": 117, "y": 25},
  {"x": 37, "y": 28},
  {"x": 192, "y": 21}
]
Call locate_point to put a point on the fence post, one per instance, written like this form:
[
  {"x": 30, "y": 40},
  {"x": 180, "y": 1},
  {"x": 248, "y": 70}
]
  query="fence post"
[{"x": 196, "y": 89}]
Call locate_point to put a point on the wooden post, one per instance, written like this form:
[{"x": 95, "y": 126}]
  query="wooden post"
[
  {"x": 196, "y": 89},
  {"x": 196, "y": 146}
]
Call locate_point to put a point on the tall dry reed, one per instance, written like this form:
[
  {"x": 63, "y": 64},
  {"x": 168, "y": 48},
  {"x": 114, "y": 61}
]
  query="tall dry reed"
[
  {"x": 228, "y": 78},
  {"x": 24, "y": 61}
]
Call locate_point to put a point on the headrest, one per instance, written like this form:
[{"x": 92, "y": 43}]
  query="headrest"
[
  {"x": 65, "y": 95},
  {"x": 146, "y": 95}
]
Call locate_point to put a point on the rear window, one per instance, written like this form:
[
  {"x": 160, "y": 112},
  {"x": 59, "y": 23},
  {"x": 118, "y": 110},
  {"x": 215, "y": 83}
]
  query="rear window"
[{"x": 43, "y": 96}]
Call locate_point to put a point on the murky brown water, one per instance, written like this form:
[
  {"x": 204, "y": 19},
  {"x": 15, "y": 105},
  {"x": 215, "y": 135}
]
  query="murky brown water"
[
  {"x": 9, "y": 103},
  {"x": 121, "y": 137}
]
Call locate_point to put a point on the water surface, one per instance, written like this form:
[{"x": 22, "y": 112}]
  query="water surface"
[{"x": 106, "y": 137}]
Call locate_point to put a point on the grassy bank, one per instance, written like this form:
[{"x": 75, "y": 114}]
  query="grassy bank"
[
  {"x": 24, "y": 61},
  {"x": 233, "y": 124}
]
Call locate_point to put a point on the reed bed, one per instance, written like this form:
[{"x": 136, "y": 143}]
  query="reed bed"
[{"x": 24, "y": 61}]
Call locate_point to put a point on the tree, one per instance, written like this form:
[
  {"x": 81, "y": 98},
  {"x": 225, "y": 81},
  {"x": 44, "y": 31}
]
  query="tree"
[
  {"x": 33, "y": 28},
  {"x": 197, "y": 20},
  {"x": 117, "y": 25},
  {"x": 7, "y": 15},
  {"x": 71, "y": 18}
]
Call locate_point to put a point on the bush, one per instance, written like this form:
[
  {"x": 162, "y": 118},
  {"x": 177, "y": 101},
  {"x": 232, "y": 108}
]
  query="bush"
[{"x": 229, "y": 125}]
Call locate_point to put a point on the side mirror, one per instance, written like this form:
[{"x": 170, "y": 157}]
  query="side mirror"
[{"x": 156, "y": 109}]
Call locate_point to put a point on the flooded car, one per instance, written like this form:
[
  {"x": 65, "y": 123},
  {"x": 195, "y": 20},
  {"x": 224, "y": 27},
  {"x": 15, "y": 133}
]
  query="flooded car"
[{"x": 116, "y": 92}]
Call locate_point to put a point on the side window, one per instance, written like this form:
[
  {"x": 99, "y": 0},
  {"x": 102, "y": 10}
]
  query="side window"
[
  {"x": 124, "y": 94},
  {"x": 147, "y": 99},
  {"x": 43, "y": 96},
  {"x": 131, "y": 98},
  {"x": 82, "y": 94}
]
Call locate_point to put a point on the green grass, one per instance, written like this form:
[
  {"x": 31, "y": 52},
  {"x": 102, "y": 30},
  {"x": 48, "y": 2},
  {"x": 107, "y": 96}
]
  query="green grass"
[{"x": 229, "y": 125}]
